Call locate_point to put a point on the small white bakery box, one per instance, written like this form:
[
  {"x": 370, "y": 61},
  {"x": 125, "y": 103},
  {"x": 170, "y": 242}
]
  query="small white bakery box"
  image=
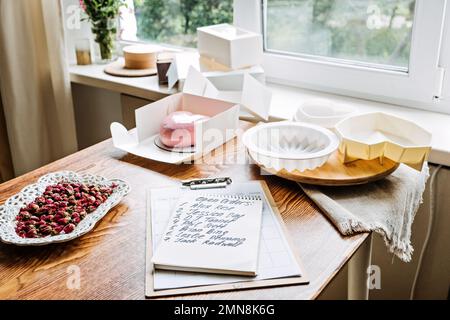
[
  {"x": 231, "y": 46},
  {"x": 252, "y": 95},
  {"x": 209, "y": 134},
  {"x": 219, "y": 74}
]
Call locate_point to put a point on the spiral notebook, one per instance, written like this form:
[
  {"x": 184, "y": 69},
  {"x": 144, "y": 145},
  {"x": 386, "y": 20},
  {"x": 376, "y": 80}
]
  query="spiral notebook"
[
  {"x": 212, "y": 233},
  {"x": 278, "y": 261}
]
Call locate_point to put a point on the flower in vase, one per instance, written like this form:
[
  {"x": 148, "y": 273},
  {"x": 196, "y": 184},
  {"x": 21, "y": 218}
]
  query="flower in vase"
[
  {"x": 82, "y": 5},
  {"x": 103, "y": 15}
]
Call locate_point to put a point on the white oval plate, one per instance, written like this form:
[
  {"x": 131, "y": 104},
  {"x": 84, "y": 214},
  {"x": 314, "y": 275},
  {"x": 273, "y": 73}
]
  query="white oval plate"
[{"x": 11, "y": 208}]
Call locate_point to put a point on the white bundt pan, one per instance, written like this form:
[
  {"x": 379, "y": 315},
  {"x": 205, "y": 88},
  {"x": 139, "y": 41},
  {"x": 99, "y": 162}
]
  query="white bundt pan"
[{"x": 290, "y": 145}]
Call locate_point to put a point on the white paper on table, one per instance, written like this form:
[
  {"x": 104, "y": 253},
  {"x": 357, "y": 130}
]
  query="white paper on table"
[{"x": 276, "y": 259}]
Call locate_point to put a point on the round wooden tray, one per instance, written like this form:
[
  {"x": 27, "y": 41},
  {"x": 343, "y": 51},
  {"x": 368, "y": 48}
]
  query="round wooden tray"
[
  {"x": 117, "y": 68},
  {"x": 336, "y": 173}
]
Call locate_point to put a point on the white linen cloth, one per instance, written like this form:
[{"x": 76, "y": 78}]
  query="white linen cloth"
[{"x": 387, "y": 206}]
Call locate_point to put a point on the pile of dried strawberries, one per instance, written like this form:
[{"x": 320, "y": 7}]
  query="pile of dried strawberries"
[{"x": 60, "y": 209}]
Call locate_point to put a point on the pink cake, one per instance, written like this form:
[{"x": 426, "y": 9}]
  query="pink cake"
[{"x": 177, "y": 129}]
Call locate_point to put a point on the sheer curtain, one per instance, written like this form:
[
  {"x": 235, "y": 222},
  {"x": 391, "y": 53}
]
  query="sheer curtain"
[
  {"x": 6, "y": 168},
  {"x": 35, "y": 84}
]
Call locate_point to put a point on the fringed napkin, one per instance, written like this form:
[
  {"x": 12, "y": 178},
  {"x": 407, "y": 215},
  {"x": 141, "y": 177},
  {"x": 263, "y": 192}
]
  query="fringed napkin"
[{"x": 387, "y": 207}]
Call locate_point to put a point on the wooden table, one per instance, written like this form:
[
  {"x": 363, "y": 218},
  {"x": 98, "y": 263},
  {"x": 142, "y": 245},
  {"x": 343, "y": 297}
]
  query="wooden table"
[{"x": 111, "y": 259}]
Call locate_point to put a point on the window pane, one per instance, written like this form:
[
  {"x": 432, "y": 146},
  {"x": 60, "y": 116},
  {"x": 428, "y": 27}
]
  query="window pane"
[
  {"x": 367, "y": 31},
  {"x": 176, "y": 21}
]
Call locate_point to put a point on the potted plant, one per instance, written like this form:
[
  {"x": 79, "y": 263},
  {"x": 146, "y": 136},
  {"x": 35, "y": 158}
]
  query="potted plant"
[{"x": 103, "y": 15}]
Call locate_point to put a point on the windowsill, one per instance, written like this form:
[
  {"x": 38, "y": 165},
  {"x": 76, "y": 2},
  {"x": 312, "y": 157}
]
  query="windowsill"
[
  {"x": 285, "y": 101},
  {"x": 142, "y": 87}
]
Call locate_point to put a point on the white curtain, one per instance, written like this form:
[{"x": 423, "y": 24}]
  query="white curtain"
[
  {"x": 35, "y": 84},
  {"x": 6, "y": 168}
]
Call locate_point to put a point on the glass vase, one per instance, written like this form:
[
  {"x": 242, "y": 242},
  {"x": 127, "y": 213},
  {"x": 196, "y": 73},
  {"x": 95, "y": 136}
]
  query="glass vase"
[{"x": 105, "y": 36}]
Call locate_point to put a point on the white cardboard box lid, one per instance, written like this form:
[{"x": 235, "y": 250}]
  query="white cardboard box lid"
[
  {"x": 228, "y": 32},
  {"x": 254, "y": 97}
]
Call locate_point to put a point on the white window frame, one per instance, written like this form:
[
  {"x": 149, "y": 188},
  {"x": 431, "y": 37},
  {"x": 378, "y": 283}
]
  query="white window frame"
[{"x": 424, "y": 86}]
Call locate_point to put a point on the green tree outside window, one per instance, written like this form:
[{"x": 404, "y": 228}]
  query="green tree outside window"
[{"x": 176, "y": 21}]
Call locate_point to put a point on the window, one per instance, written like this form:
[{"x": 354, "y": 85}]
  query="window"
[
  {"x": 386, "y": 50},
  {"x": 394, "y": 51},
  {"x": 366, "y": 32},
  {"x": 175, "y": 22}
]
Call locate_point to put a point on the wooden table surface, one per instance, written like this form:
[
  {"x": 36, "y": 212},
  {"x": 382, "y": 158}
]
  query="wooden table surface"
[{"x": 111, "y": 259}]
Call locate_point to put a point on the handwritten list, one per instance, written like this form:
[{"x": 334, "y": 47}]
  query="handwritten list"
[
  {"x": 207, "y": 227},
  {"x": 206, "y": 220}
]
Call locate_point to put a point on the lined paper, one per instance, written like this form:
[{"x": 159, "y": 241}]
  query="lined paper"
[{"x": 276, "y": 260}]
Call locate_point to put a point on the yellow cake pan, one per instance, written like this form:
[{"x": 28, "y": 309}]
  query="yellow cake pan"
[{"x": 381, "y": 135}]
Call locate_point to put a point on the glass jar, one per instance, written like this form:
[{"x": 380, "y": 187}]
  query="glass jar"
[{"x": 83, "y": 51}]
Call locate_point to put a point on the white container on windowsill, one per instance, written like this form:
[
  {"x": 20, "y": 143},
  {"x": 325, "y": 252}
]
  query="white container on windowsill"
[
  {"x": 323, "y": 112},
  {"x": 231, "y": 46}
]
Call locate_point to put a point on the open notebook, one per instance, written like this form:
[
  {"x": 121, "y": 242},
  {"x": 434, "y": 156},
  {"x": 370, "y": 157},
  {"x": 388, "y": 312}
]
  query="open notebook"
[
  {"x": 212, "y": 233},
  {"x": 278, "y": 263}
]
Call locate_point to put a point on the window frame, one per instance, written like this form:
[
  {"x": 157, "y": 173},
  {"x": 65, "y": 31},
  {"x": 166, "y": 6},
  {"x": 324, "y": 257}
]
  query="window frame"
[{"x": 422, "y": 86}]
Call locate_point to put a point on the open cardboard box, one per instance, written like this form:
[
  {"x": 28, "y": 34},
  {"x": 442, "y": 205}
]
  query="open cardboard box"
[
  {"x": 217, "y": 73},
  {"x": 209, "y": 134},
  {"x": 252, "y": 95}
]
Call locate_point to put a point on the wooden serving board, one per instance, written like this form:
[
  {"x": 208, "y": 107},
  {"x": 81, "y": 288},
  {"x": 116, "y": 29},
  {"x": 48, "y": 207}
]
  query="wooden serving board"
[
  {"x": 336, "y": 173},
  {"x": 117, "y": 68}
]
